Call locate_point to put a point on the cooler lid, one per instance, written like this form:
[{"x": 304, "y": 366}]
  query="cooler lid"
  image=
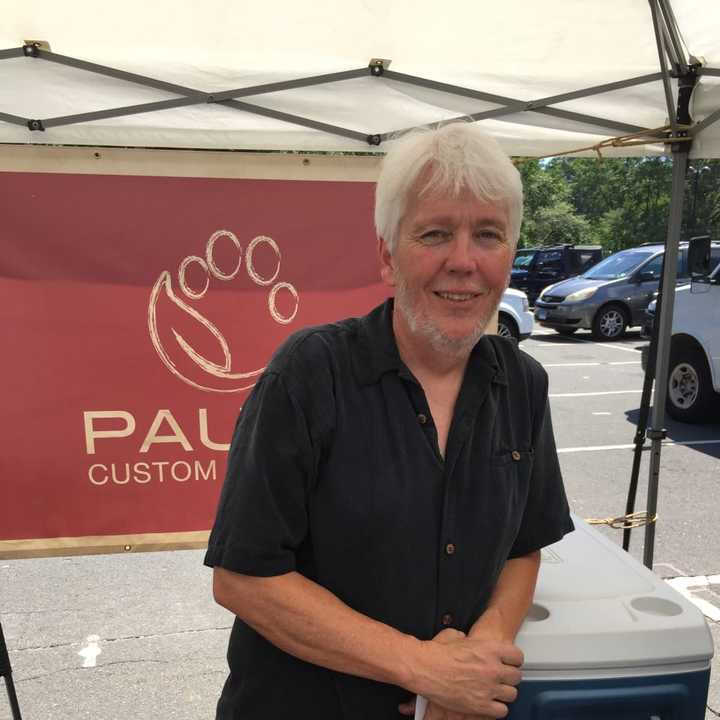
[{"x": 595, "y": 606}]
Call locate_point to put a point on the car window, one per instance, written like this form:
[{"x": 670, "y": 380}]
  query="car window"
[
  {"x": 714, "y": 258},
  {"x": 550, "y": 261},
  {"x": 523, "y": 259},
  {"x": 586, "y": 258},
  {"x": 618, "y": 265},
  {"x": 655, "y": 267}
]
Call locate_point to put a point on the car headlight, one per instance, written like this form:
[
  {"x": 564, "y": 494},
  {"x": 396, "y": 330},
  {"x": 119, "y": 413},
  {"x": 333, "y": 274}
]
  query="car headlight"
[
  {"x": 545, "y": 289},
  {"x": 525, "y": 303},
  {"x": 581, "y": 295}
]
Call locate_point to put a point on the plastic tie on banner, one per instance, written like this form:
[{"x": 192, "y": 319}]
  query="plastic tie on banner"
[{"x": 624, "y": 522}]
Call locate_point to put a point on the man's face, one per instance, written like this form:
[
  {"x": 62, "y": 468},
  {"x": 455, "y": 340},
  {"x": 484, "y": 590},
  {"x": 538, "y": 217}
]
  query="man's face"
[{"x": 449, "y": 269}]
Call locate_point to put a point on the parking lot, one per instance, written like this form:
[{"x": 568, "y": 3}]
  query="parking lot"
[{"x": 138, "y": 636}]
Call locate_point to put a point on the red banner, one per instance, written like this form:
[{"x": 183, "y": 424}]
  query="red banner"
[{"x": 137, "y": 313}]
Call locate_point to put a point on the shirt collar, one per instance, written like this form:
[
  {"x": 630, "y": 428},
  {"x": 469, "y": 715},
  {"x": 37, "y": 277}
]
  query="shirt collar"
[{"x": 376, "y": 351}]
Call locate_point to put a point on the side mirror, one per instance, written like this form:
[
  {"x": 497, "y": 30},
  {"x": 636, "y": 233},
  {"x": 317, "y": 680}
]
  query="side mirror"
[
  {"x": 698, "y": 257},
  {"x": 645, "y": 276}
]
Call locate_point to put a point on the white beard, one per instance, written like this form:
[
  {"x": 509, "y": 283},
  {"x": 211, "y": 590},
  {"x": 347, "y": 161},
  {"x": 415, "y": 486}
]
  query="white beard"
[{"x": 423, "y": 326}]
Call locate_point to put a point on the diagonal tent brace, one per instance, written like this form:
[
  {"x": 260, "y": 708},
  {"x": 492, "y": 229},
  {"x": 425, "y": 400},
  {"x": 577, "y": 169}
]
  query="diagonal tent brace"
[
  {"x": 511, "y": 106},
  {"x": 377, "y": 68},
  {"x": 190, "y": 96}
]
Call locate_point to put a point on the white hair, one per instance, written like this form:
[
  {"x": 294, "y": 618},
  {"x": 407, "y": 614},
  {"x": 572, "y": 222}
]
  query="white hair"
[{"x": 457, "y": 156}]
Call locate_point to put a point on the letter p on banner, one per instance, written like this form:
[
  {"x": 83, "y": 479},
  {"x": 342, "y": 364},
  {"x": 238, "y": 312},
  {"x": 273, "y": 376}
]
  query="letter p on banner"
[{"x": 91, "y": 434}]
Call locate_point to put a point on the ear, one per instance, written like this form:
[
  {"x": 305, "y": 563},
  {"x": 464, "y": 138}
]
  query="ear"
[{"x": 387, "y": 263}]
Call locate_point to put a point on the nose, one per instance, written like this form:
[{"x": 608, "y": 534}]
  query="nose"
[{"x": 461, "y": 253}]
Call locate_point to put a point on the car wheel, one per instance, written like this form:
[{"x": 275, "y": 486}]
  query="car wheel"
[
  {"x": 610, "y": 323},
  {"x": 690, "y": 394},
  {"x": 507, "y": 327},
  {"x": 567, "y": 332}
]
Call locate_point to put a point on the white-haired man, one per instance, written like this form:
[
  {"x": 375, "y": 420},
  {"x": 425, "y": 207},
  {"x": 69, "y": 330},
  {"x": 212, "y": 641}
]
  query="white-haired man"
[{"x": 392, "y": 478}]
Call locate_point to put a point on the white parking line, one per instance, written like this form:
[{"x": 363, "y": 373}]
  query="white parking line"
[
  {"x": 588, "y": 364},
  {"x": 576, "y": 340},
  {"x": 593, "y": 394},
  {"x": 555, "y": 344},
  {"x": 579, "y": 364},
  {"x": 665, "y": 443},
  {"x": 611, "y": 345},
  {"x": 684, "y": 586}
]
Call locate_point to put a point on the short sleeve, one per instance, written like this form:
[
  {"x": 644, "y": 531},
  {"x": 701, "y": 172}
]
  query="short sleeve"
[
  {"x": 546, "y": 518},
  {"x": 262, "y": 517}
]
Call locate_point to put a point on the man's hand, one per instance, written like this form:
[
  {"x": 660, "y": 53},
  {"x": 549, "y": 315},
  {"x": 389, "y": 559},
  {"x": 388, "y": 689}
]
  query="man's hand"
[
  {"x": 433, "y": 711},
  {"x": 468, "y": 678}
]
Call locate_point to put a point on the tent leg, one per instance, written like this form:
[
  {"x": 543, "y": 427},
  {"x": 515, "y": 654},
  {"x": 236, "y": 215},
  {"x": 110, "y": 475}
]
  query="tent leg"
[
  {"x": 664, "y": 333},
  {"x": 6, "y": 671}
]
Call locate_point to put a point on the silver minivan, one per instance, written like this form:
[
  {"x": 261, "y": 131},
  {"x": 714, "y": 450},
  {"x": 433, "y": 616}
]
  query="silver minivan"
[{"x": 609, "y": 297}]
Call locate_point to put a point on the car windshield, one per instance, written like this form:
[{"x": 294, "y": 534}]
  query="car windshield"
[
  {"x": 618, "y": 265},
  {"x": 523, "y": 259}
]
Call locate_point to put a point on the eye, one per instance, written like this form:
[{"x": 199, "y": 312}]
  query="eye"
[
  {"x": 490, "y": 234},
  {"x": 434, "y": 236}
]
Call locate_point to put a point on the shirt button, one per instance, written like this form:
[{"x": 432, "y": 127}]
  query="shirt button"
[
  {"x": 422, "y": 419},
  {"x": 450, "y": 548},
  {"x": 447, "y": 619},
  {"x": 515, "y": 455}
]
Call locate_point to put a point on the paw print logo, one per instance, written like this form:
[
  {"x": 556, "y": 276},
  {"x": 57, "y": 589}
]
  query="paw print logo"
[{"x": 177, "y": 328}]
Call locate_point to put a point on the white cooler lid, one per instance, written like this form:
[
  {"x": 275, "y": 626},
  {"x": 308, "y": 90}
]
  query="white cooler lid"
[{"x": 596, "y": 607}]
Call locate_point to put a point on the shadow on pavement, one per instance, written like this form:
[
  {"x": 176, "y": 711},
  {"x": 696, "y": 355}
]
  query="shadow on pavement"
[
  {"x": 687, "y": 433},
  {"x": 550, "y": 337}
]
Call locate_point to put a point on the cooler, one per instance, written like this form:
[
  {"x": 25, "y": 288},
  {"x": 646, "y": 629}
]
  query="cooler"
[{"x": 606, "y": 639}]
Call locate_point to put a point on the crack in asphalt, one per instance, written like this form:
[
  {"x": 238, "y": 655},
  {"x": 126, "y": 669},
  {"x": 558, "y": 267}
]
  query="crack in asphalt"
[{"x": 120, "y": 639}]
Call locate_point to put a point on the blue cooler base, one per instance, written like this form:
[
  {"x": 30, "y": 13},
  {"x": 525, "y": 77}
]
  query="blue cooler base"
[{"x": 674, "y": 696}]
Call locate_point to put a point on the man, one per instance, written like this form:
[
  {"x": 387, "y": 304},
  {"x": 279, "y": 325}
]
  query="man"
[{"x": 392, "y": 478}]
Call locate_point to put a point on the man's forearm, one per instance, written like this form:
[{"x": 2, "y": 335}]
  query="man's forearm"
[
  {"x": 307, "y": 621},
  {"x": 510, "y": 599},
  {"x": 471, "y": 676}
]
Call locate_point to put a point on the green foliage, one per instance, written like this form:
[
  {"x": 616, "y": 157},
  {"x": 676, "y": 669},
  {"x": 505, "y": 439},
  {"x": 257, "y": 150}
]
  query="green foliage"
[{"x": 616, "y": 203}]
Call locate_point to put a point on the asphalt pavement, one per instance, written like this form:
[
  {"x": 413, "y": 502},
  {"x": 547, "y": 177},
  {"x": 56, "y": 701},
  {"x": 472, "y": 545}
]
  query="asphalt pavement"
[{"x": 138, "y": 637}]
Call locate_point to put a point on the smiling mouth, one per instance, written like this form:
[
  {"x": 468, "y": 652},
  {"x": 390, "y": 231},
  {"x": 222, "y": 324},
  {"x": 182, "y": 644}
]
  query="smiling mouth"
[{"x": 457, "y": 296}]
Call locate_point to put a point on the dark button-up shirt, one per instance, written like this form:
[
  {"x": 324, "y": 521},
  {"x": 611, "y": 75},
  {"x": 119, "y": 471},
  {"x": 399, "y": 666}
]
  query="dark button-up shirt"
[{"x": 335, "y": 472}]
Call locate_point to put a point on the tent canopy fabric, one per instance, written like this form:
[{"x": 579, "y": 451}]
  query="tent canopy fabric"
[{"x": 510, "y": 53}]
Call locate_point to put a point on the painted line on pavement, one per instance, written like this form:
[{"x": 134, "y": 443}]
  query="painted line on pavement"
[
  {"x": 576, "y": 340},
  {"x": 578, "y": 364},
  {"x": 684, "y": 584},
  {"x": 90, "y": 652},
  {"x": 588, "y": 364},
  {"x": 593, "y": 394},
  {"x": 612, "y": 345},
  {"x": 631, "y": 446}
]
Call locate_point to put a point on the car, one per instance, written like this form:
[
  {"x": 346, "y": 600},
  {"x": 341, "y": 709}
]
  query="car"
[
  {"x": 693, "y": 389},
  {"x": 514, "y": 317},
  {"x": 535, "y": 268},
  {"x": 611, "y": 296}
]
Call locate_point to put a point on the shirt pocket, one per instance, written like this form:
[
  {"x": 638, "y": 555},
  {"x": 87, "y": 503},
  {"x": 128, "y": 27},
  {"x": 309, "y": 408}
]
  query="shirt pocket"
[{"x": 508, "y": 486}]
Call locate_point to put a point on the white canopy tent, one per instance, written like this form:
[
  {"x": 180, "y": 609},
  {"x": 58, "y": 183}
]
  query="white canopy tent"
[
  {"x": 500, "y": 56},
  {"x": 543, "y": 77}
]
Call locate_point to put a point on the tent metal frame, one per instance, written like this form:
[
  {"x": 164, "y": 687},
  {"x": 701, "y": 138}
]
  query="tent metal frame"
[{"x": 669, "y": 39}]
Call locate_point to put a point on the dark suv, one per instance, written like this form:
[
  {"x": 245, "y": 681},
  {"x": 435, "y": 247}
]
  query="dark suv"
[{"x": 536, "y": 268}]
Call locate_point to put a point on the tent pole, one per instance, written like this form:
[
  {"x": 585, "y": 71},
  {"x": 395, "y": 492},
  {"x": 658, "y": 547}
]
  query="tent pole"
[
  {"x": 666, "y": 302},
  {"x": 6, "y": 672},
  {"x": 657, "y": 433}
]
